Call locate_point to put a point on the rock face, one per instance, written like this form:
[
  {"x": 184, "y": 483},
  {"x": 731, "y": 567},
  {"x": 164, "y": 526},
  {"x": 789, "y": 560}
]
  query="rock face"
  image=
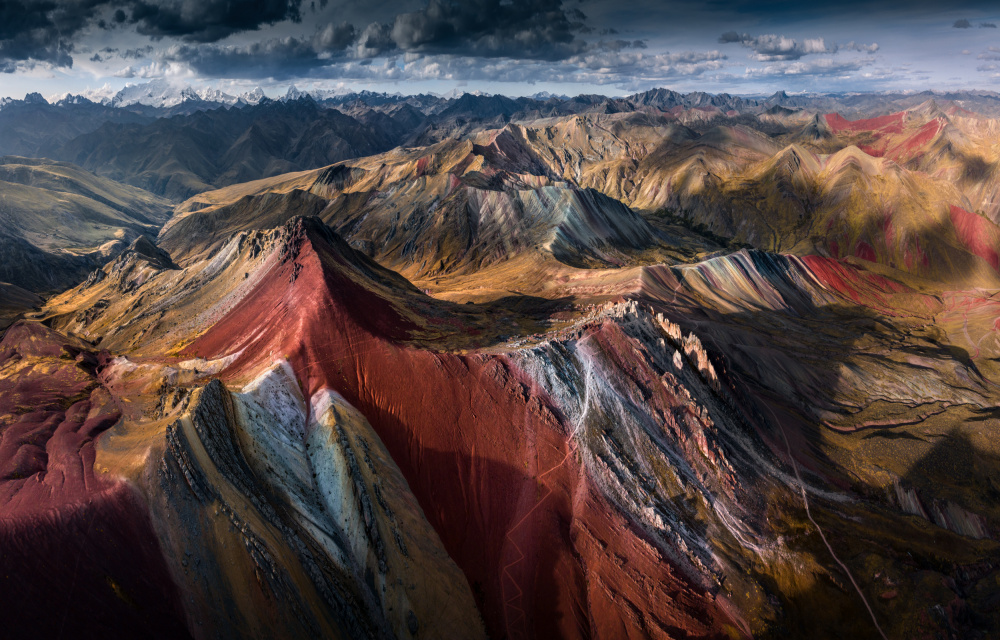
[
  {"x": 326, "y": 431},
  {"x": 320, "y": 521},
  {"x": 369, "y": 478},
  {"x": 462, "y": 430}
]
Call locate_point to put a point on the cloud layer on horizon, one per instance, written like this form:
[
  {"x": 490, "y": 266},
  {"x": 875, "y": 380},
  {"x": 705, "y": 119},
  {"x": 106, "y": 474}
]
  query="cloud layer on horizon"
[{"x": 593, "y": 42}]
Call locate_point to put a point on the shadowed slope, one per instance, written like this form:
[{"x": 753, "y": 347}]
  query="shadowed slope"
[
  {"x": 297, "y": 521},
  {"x": 59, "y": 221},
  {"x": 15, "y": 301},
  {"x": 565, "y": 556},
  {"x": 180, "y": 156},
  {"x": 78, "y": 551}
]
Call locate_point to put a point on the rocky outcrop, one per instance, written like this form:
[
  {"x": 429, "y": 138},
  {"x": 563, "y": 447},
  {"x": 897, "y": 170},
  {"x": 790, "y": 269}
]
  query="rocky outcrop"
[{"x": 317, "y": 510}]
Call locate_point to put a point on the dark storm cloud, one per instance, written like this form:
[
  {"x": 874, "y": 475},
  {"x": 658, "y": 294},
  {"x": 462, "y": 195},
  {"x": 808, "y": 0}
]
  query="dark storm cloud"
[
  {"x": 44, "y": 31},
  {"x": 334, "y": 37},
  {"x": 629, "y": 70},
  {"x": 278, "y": 58},
  {"x": 209, "y": 20},
  {"x": 523, "y": 29},
  {"x": 41, "y": 30},
  {"x": 515, "y": 29},
  {"x": 110, "y": 53},
  {"x": 595, "y": 40},
  {"x": 536, "y": 29},
  {"x": 375, "y": 40}
]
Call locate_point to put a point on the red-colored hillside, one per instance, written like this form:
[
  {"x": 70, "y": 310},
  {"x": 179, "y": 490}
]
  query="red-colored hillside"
[
  {"x": 71, "y": 542},
  {"x": 977, "y": 234},
  {"x": 546, "y": 554},
  {"x": 892, "y": 123}
]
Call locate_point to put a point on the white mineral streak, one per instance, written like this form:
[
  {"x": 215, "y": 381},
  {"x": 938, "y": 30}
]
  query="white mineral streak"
[{"x": 345, "y": 490}]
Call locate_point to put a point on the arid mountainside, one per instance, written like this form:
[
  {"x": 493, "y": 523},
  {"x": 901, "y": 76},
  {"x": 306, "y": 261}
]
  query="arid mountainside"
[
  {"x": 183, "y": 155},
  {"x": 59, "y": 222},
  {"x": 215, "y": 146},
  {"x": 908, "y": 191},
  {"x": 667, "y": 367},
  {"x": 454, "y": 207},
  {"x": 555, "y": 465}
]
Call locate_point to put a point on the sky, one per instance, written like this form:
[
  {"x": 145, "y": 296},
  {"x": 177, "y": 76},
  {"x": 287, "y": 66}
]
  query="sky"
[{"x": 513, "y": 47}]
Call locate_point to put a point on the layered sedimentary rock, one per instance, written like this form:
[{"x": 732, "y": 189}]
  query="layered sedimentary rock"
[
  {"x": 512, "y": 458},
  {"x": 462, "y": 429},
  {"x": 615, "y": 475}
]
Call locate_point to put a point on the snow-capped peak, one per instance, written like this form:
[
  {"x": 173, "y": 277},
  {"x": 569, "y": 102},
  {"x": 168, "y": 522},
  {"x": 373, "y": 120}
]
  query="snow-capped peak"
[
  {"x": 155, "y": 93},
  {"x": 70, "y": 99},
  {"x": 293, "y": 93},
  {"x": 252, "y": 97},
  {"x": 164, "y": 94},
  {"x": 211, "y": 94}
]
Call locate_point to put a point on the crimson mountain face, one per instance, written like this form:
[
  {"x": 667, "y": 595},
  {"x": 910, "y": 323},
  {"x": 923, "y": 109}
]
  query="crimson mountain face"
[{"x": 659, "y": 367}]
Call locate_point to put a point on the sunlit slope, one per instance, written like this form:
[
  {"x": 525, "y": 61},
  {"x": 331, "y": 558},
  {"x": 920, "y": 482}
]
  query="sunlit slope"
[
  {"x": 457, "y": 206},
  {"x": 294, "y": 317},
  {"x": 890, "y": 190},
  {"x": 590, "y": 410}
]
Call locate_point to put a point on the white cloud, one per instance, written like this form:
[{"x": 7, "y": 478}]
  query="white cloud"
[
  {"x": 620, "y": 68},
  {"x": 820, "y": 66},
  {"x": 157, "y": 69},
  {"x": 773, "y": 48}
]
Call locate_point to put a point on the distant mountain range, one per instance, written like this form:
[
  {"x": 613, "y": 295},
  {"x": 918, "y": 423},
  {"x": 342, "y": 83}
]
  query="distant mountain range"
[
  {"x": 162, "y": 97},
  {"x": 178, "y": 141}
]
